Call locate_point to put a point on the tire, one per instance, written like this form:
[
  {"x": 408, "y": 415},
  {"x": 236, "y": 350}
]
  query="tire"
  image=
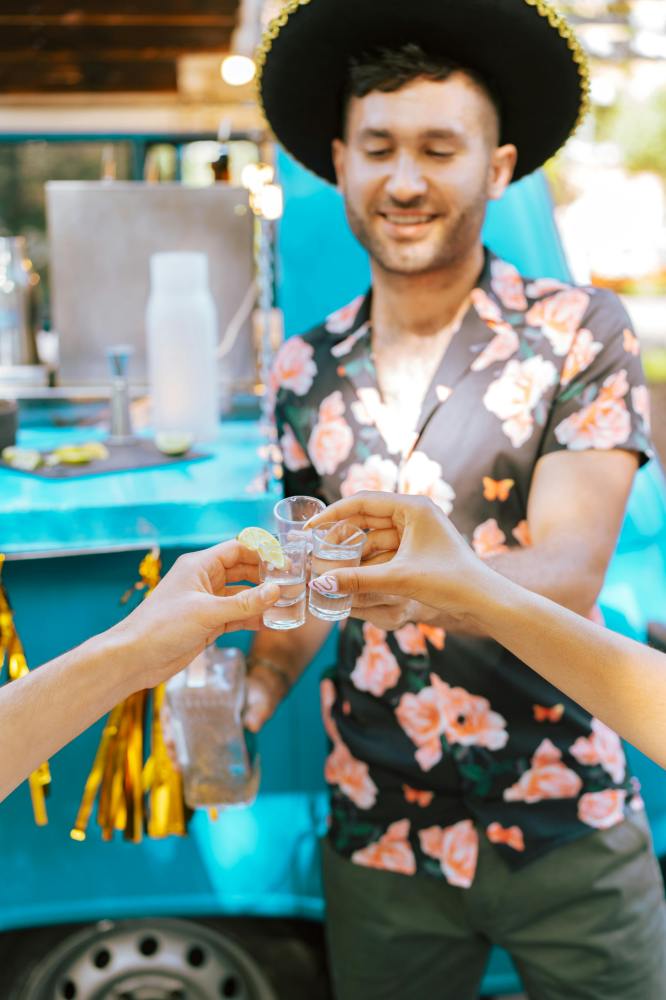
[{"x": 166, "y": 959}]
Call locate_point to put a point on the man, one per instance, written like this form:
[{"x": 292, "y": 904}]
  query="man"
[
  {"x": 190, "y": 608},
  {"x": 469, "y": 797}
]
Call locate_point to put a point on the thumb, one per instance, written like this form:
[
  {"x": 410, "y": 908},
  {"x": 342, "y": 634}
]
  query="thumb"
[
  {"x": 356, "y": 580},
  {"x": 247, "y": 603}
]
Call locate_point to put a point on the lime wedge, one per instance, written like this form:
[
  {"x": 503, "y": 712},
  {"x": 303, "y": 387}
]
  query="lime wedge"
[
  {"x": 265, "y": 544},
  {"x": 73, "y": 454},
  {"x": 24, "y": 459},
  {"x": 174, "y": 442}
]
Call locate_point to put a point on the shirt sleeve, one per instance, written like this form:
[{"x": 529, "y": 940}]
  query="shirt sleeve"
[
  {"x": 300, "y": 476},
  {"x": 602, "y": 401}
]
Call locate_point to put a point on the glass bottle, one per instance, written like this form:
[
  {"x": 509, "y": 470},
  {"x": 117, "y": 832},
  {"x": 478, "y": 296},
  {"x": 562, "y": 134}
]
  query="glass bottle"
[{"x": 218, "y": 761}]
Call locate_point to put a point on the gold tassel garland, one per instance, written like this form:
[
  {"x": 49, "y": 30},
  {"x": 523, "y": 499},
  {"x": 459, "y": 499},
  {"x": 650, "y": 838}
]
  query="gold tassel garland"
[
  {"x": 124, "y": 783},
  {"x": 12, "y": 654}
]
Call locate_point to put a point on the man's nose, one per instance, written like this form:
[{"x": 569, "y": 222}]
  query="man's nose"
[{"x": 406, "y": 181}]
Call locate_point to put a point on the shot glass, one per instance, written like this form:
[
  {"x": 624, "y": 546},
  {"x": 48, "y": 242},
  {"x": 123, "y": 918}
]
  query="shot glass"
[
  {"x": 289, "y": 611},
  {"x": 335, "y": 545},
  {"x": 292, "y": 513}
]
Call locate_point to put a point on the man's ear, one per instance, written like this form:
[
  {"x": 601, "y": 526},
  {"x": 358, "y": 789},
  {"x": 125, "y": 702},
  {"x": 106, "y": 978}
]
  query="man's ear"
[{"x": 502, "y": 166}]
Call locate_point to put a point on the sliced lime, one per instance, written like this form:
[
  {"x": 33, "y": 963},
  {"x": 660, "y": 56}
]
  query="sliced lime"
[
  {"x": 265, "y": 544},
  {"x": 25, "y": 459},
  {"x": 174, "y": 443}
]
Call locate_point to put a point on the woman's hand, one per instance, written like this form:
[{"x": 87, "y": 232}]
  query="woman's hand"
[
  {"x": 199, "y": 599},
  {"x": 424, "y": 562}
]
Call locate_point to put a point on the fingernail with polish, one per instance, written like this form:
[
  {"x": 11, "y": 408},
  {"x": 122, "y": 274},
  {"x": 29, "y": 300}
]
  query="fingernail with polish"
[{"x": 325, "y": 585}]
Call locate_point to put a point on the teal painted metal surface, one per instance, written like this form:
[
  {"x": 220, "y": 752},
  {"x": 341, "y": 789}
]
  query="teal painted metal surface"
[{"x": 189, "y": 503}]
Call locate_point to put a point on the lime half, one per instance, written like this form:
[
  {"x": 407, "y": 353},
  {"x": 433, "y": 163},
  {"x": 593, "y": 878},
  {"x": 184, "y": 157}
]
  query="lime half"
[
  {"x": 174, "y": 442},
  {"x": 265, "y": 544}
]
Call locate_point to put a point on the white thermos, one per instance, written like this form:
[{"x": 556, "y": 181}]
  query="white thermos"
[{"x": 182, "y": 335}]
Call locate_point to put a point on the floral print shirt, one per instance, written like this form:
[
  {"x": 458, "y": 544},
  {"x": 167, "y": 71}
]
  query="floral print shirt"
[{"x": 433, "y": 736}]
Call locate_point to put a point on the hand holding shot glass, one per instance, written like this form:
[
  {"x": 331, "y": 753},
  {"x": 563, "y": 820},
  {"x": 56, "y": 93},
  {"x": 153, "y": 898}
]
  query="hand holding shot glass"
[{"x": 335, "y": 545}]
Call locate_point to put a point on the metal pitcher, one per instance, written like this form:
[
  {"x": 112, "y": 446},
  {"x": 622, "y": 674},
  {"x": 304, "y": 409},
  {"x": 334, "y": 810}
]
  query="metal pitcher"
[{"x": 17, "y": 283}]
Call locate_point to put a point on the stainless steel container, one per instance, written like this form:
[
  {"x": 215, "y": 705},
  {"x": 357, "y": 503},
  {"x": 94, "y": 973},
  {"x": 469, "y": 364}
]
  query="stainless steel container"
[{"x": 17, "y": 283}]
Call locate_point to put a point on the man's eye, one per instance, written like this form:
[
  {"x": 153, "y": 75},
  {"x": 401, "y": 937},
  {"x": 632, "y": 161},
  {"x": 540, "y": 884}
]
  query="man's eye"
[
  {"x": 375, "y": 154},
  {"x": 440, "y": 154}
]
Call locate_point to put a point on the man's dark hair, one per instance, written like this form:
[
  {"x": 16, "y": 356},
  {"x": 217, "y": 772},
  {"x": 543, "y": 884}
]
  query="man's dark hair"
[{"x": 388, "y": 70}]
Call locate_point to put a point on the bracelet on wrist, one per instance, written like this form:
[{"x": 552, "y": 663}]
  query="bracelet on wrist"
[{"x": 272, "y": 668}]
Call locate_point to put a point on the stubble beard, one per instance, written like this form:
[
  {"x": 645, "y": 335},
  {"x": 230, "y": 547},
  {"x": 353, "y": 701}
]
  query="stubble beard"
[{"x": 460, "y": 236}]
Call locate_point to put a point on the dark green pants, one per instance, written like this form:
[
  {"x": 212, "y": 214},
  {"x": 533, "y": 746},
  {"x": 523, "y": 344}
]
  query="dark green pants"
[{"x": 585, "y": 922}]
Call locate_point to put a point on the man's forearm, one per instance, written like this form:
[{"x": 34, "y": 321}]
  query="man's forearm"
[
  {"x": 556, "y": 572},
  {"x": 52, "y": 705},
  {"x": 289, "y": 652}
]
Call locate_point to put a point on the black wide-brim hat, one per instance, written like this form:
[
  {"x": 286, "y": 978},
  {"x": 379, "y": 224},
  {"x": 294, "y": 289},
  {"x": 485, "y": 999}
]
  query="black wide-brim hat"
[{"x": 525, "y": 49}]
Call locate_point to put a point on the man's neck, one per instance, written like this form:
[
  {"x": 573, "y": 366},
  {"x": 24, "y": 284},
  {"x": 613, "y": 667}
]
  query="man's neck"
[{"x": 423, "y": 305}]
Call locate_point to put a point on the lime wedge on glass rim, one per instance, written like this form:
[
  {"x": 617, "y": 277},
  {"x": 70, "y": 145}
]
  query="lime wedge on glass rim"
[{"x": 265, "y": 544}]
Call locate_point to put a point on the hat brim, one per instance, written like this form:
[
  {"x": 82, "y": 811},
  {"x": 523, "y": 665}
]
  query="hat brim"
[{"x": 525, "y": 48}]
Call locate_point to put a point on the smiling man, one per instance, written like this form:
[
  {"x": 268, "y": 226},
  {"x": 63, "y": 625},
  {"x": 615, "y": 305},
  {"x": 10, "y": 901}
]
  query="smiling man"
[{"x": 472, "y": 803}]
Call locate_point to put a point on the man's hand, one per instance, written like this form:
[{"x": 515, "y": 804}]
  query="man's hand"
[{"x": 392, "y": 613}]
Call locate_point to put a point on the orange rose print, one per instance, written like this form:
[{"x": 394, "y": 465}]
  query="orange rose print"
[
  {"x": 602, "y": 810},
  {"x": 293, "y": 455},
  {"x": 544, "y": 286},
  {"x": 583, "y": 352},
  {"x": 456, "y": 848},
  {"x": 560, "y": 317},
  {"x": 508, "y": 285},
  {"x": 332, "y": 438},
  {"x": 488, "y": 539},
  {"x": 294, "y": 367},
  {"x": 391, "y": 853},
  {"x": 376, "y": 669},
  {"x": 511, "y": 836},
  {"x": 421, "y": 476},
  {"x": 422, "y": 718},
  {"x": 516, "y": 393},
  {"x": 604, "y": 424},
  {"x": 504, "y": 344},
  {"x": 343, "y": 319},
  {"x": 411, "y": 640},
  {"x": 631, "y": 342},
  {"x": 487, "y": 309},
  {"x": 345, "y": 347},
  {"x": 522, "y": 534},
  {"x": 351, "y": 776},
  {"x": 415, "y": 796},
  {"x": 640, "y": 398},
  {"x": 434, "y": 635},
  {"x": 440, "y": 710},
  {"x": 548, "y": 778},
  {"x": 602, "y": 747},
  {"x": 376, "y": 473},
  {"x": 468, "y": 719}
]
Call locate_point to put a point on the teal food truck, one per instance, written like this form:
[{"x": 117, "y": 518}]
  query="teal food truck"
[{"x": 234, "y": 909}]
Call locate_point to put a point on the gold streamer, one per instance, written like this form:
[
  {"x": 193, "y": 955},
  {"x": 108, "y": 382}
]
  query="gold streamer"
[
  {"x": 119, "y": 774},
  {"x": 11, "y": 653}
]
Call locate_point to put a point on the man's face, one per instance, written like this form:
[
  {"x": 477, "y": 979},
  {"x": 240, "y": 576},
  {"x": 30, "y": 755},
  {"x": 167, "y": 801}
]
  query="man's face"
[{"x": 417, "y": 168}]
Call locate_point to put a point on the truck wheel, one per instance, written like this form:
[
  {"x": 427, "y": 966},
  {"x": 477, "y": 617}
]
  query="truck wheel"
[{"x": 152, "y": 959}]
